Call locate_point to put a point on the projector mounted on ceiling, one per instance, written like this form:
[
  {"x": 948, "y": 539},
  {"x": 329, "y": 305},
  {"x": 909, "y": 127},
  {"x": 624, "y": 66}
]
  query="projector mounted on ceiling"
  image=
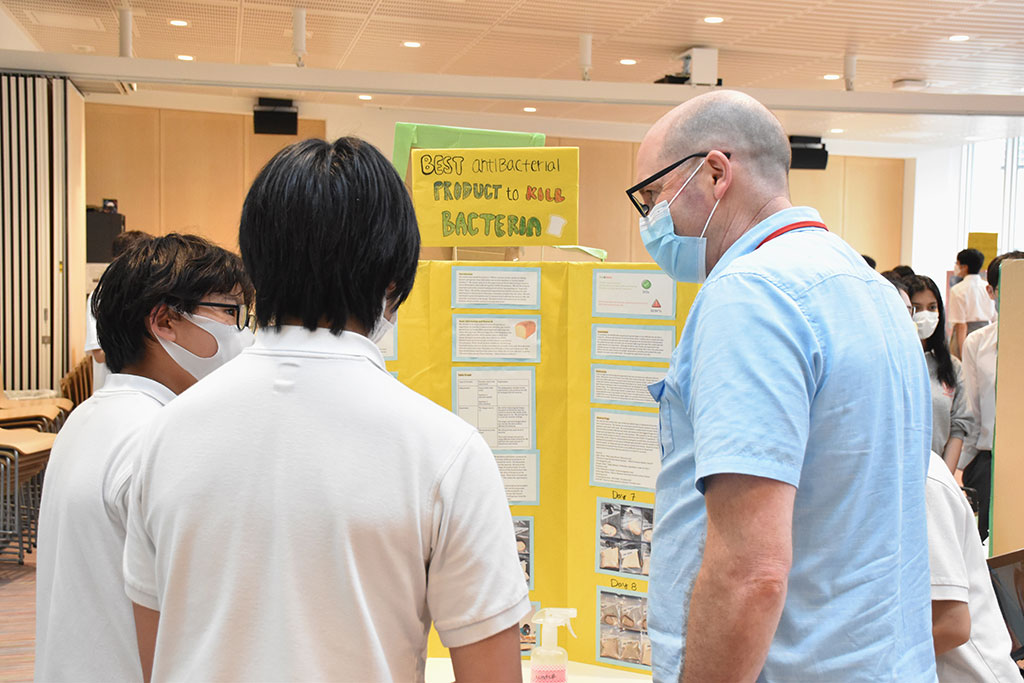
[
  {"x": 808, "y": 152},
  {"x": 275, "y": 117},
  {"x": 700, "y": 67}
]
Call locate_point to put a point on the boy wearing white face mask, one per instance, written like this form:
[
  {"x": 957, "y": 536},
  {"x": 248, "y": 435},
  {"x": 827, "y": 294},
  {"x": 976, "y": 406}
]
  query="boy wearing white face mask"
[
  {"x": 150, "y": 300},
  {"x": 951, "y": 415}
]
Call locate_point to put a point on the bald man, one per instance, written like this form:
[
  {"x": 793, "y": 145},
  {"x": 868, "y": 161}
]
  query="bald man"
[{"x": 790, "y": 540}]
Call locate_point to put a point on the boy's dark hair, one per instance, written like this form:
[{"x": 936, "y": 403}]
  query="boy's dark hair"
[
  {"x": 936, "y": 343},
  {"x": 973, "y": 259},
  {"x": 177, "y": 270},
  {"x": 897, "y": 281},
  {"x": 870, "y": 261},
  {"x": 993, "y": 268},
  {"x": 904, "y": 271},
  {"x": 123, "y": 240},
  {"x": 326, "y": 228}
]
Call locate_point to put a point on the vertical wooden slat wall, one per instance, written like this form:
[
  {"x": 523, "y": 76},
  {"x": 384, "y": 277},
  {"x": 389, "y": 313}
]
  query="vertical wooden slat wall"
[{"x": 33, "y": 217}]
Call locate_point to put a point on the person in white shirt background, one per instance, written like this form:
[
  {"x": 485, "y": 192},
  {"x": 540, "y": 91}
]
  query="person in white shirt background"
[
  {"x": 92, "y": 340},
  {"x": 951, "y": 415},
  {"x": 970, "y": 307},
  {"x": 971, "y": 640},
  {"x": 300, "y": 514},
  {"x": 158, "y": 294},
  {"x": 979, "y": 363}
]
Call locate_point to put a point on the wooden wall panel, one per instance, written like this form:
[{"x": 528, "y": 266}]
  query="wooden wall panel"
[
  {"x": 122, "y": 152},
  {"x": 873, "y": 208},
  {"x": 822, "y": 190},
  {"x": 202, "y": 174},
  {"x": 606, "y": 170},
  {"x": 260, "y": 148}
]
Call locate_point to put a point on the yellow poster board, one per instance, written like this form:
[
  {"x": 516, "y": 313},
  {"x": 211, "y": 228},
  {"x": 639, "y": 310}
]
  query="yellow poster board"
[
  {"x": 585, "y": 339},
  {"x": 498, "y": 197},
  {"x": 985, "y": 242}
]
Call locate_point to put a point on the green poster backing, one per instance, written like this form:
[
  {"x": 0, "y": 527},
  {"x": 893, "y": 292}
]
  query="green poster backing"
[{"x": 425, "y": 136}]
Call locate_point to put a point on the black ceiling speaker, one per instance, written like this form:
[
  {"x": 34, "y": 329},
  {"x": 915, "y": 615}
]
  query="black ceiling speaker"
[
  {"x": 808, "y": 152},
  {"x": 275, "y": 117}
]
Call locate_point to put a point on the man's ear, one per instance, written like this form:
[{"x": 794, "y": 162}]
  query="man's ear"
[
  {"x": 991, "y": 292},
  {"x": 160, "y": 321},
  {"x": 721, "y": 172}
]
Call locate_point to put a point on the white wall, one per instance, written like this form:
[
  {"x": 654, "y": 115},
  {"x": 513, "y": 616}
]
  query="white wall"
[{"x": 936, "y": 233}]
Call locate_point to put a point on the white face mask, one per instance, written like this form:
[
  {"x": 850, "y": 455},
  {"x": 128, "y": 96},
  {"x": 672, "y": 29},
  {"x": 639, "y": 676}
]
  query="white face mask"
[
  {"x": 926, "y": 322},
  {"x": 230, "y": 342},
  {"x": 383, "y": 327}
]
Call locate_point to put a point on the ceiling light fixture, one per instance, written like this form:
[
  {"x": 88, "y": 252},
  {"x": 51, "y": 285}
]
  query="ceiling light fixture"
[
  {"x": 627, "y": 62},
  {"x": 832, "y": 77},
  {"x": 836, "y": 130},
  {"x": 186, "y": 58},
  {"x": 713, "y": 20},
  {"x": 366, "y": 97},
  {"x": 411, "y": 43},
  {"x": 178, "y": 22},
  {"x": 530, "y": 109},
  {"x": 959, "y": 38}
]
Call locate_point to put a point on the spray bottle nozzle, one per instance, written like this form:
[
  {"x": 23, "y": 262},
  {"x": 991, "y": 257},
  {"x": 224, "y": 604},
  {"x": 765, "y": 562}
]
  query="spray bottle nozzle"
[{"x": 555, "y": 617}]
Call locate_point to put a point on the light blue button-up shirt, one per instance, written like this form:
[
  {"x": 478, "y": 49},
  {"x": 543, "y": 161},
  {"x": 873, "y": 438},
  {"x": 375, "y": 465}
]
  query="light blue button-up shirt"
[{"x": 797, "y": 364}]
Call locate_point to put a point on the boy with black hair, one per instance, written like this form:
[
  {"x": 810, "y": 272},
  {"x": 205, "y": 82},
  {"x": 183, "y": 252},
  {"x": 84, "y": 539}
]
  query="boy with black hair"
[
  {"x": 120, "y": 244},
  {"x": 327, "y": 514},
  {"x": 979, "y": 367},
  {"x": 165, "y": 296},
  {"x": 969, "y": 308}
]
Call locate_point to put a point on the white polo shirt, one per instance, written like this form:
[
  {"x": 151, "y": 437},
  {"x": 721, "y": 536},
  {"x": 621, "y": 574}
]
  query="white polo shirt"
[
  {"x": 85, "y": 630},
  {"x": 979, "y": 366},
  {"x": 301, "y": 515},
  {"x": 959, "y": 573},
  {"x": 92, "y": 343},
  {"x": 969, "y": 302}
]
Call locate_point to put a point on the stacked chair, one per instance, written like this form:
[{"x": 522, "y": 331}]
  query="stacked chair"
[{"x": 28, "y": 428}]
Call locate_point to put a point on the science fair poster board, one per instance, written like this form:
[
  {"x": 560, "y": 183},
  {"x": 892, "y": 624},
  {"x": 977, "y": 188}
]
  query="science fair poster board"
[
  {"x": 554, "y": 417},
  {"x": 1008, "y": 452},
  {"x": 497, "y": 197}
]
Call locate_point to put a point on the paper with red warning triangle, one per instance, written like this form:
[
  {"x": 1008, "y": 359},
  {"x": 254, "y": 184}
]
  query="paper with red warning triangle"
[{"x": 634, "y": 294}]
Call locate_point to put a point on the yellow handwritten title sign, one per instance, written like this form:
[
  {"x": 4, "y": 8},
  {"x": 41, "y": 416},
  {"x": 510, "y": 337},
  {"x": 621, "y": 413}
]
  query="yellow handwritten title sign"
[{"x": 512, "y": 196}]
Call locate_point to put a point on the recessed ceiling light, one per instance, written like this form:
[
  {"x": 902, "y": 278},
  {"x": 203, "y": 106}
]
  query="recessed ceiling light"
[
  {"x": 627, "y": 62},
  {"x": 411, "y": 43},
  {"x": 366, "y": 97},
  {"x": 959, "y": 38},
  {"x": 835, "y": 130},
  {"x": 713, "y": 20},
  {"x": 530, "y": 109},
  {"x": 186, "y": 58},
  {"x": 832, "y": 77},
  {"x": 178, "y": 22}
]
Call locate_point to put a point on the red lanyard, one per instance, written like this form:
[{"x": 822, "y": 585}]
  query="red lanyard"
[{"x": 790, "y": 227}]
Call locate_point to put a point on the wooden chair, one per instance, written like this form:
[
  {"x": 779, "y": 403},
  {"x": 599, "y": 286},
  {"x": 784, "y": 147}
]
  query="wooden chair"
[
  {"x": 77, "y": 384},
  {"x": 23, "y": 457},
  {"x": 43, "y": 418}
]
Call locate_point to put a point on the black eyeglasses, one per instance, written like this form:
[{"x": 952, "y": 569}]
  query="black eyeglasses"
[
  {"x": 239, "y": 311},
  {"x": 634, "y": 192}
]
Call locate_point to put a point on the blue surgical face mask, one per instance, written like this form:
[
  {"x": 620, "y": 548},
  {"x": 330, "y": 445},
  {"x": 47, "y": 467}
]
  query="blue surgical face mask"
[{"x": 683, "y": 258}]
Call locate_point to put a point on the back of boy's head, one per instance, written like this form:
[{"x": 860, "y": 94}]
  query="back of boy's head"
[
  {"x": 972, "y": 259},
  {"x": 177, "y": 270},
  {"x": 993, "y": 267},
  {"x": 326, "y": 228},
  {"x": 124, "y": 240}
]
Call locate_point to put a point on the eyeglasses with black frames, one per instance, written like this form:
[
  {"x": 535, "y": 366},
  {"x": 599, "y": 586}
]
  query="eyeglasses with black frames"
[{"x": 635, "y": 193}]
